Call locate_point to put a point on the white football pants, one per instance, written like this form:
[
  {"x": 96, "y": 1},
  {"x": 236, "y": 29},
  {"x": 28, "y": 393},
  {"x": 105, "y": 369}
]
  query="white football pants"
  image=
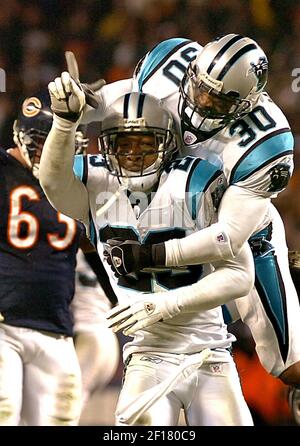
[
  {"x": 39, "y": 378},
  {"x": 211, "y": 396}
]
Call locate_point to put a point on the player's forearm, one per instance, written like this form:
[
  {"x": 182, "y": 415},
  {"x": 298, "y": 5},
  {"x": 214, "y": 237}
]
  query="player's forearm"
[
  {"x": 205, "y": 246},
  {"x": 231, "y": 279},
  {"x": 241, "y": 214},
  {"x": 64, "y": 191}
]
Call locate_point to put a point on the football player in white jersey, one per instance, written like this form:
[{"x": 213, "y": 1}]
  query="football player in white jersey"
[
  {"x": 135, "y": 191},
  {"x": 217, "y": 98}
]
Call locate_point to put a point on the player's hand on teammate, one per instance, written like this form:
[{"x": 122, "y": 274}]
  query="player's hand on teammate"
[
  {"x": 143, "y": 313},
  {"x": 89, "y": 89},
  {"x": 125, "y": 257},
  {"x": 67, "y": 97},
  {"x": 95, "y": 86}
]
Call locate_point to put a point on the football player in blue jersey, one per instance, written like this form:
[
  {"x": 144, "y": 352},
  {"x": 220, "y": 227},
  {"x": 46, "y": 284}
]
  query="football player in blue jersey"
[
  {"x": 39, "y": 371},
  {"x": 40, "y": 376},
  {"x": 223, "y": 114},
  {"x": 217, "y": 97},
  {"x": 137, "y": 190}
]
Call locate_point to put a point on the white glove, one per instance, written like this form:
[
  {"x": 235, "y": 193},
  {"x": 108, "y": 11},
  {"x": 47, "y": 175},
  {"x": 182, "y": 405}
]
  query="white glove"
[
  {"x": 142, "y": 313},
  {"x": 67, "y": 98}
]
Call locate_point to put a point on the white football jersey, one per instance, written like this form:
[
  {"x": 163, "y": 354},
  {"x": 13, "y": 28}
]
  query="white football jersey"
[
  {"x": 255, "y": 152},
  {"x": 247, "y": 150},
  {"x": 185, "y": 201}
]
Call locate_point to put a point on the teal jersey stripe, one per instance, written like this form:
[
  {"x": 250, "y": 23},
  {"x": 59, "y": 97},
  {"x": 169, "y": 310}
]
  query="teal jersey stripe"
[
  {"x": 155, "y": 57},
  {"x": 226, "y": 315},
  {"x": 260, "y": 154},
  {"x": 266, "y": 272},
  {"x": 200, "y": 177},
  {"x": 78, "y": 166}
]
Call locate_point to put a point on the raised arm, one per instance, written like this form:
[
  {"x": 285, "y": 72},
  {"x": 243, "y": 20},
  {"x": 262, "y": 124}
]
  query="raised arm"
[{"x": 63, "y": 189}]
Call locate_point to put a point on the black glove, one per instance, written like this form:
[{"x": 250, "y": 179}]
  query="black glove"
[{"x": 125, "y": 257}]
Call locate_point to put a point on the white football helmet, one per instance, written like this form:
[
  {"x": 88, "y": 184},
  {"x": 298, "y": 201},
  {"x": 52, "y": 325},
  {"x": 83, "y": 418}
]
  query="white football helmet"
[
  {"x": 222, "y": 84},
  {"x": 133, "y": 115}
]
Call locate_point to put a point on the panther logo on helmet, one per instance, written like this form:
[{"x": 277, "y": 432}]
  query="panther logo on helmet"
[{"x": 260, "y": 70}]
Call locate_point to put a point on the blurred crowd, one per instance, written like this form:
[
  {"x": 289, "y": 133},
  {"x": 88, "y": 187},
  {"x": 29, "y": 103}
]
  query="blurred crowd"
[{"x": 110, "y": 36}]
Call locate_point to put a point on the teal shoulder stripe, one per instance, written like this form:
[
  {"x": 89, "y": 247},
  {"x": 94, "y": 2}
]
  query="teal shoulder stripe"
[
  {"x": 201, "y": 175},
  {"x": 260, "y": 154},
  {"x": 155, "y": 56},
  {"x": 78, "y": 166}
]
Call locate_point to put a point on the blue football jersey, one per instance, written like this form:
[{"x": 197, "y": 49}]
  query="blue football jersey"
[{"x": 38, "y": 247}]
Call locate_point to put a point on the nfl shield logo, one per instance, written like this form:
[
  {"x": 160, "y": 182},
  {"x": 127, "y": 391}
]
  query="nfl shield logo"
[{"x": 221, "y": 238}]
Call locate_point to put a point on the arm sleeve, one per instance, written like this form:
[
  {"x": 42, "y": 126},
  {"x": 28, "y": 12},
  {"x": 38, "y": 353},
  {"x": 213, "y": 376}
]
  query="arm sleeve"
[
  {"x": 241, "y": 213},
  {"x": 230, "y": 280},
  {"x": 106, "y": 95},
  {"x": 63, "y": 189}
]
